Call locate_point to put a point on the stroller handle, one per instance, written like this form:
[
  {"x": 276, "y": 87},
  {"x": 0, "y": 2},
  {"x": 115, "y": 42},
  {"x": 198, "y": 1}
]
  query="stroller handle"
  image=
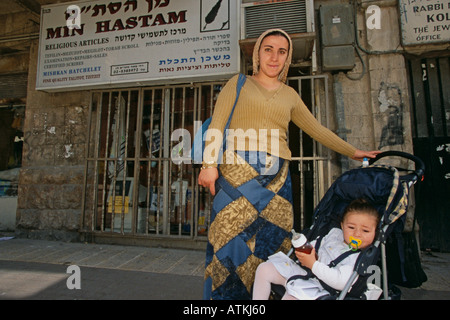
[{"x": 417, "y": 175}]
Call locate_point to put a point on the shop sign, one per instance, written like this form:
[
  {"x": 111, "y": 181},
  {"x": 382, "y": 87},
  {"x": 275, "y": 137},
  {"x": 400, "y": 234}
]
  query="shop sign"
[
  {"x": 424, "y": 21},
  {"x": 99, "y": 44}
]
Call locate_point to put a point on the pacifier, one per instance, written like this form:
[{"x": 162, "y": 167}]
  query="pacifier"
[{"x": 354, "y": 243}]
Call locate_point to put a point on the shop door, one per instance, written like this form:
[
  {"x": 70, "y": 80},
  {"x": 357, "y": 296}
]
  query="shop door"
[{"x": 430, "y": 92}]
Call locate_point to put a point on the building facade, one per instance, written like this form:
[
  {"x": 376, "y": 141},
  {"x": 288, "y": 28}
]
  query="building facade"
[{"x": 95, "y": 115}]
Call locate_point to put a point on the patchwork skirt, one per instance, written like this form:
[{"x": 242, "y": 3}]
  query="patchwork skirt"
[{"x": 251, "y": 219}]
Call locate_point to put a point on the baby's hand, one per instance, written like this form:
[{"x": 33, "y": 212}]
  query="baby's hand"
[{"x": 307, "y": 260}]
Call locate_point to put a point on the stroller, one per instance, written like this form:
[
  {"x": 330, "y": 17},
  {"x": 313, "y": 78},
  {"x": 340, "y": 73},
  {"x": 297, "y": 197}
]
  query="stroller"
[{"x": 387, "y": 190}]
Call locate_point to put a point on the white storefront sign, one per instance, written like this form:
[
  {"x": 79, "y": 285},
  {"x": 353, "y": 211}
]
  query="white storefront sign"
[
  {"x": 100, "y": 44},
  {"x": 425, "y": 21}
]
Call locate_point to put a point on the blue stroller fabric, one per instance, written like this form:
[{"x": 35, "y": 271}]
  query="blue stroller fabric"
[{"x": 381, "y": 186}]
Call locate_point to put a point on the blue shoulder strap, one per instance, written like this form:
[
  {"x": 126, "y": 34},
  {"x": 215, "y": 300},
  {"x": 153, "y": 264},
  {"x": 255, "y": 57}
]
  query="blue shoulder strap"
[
  {"x": 240, "y": 84},
  {"x": 198, "y": 144}
]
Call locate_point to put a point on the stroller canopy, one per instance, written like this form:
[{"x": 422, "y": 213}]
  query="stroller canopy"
[{"x": 379, "y": 185}]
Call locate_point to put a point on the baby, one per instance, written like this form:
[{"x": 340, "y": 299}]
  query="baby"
[{"x": 358, "y": 227}]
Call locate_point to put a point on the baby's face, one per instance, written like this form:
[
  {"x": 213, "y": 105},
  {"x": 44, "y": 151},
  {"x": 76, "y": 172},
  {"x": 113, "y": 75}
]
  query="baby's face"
[{"x": 361, "y": 226}]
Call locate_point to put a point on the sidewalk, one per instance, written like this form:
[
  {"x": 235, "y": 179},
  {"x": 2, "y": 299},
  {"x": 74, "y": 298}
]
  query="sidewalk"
[
  {"x": 437, "y": 268},
  {"x": 38, "y": 269}
]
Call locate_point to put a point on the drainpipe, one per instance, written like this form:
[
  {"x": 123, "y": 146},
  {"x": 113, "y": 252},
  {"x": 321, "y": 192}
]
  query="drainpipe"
[{"x": 340, "y": 116}]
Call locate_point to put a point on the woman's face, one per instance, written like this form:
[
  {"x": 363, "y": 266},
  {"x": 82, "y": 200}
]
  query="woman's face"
[{"x": 272, "y": 55}]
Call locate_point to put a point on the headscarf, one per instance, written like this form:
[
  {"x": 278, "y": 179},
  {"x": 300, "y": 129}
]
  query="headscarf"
[{"x": 283, "y": 74}]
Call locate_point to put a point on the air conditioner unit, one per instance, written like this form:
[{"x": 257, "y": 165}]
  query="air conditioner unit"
[{"x": 296, "y": 17}]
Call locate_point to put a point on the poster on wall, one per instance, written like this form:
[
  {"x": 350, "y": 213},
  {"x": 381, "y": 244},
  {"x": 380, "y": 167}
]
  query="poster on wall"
[
  {"x": 99, "y": 44},
  {"x": 425, "y": 21}
]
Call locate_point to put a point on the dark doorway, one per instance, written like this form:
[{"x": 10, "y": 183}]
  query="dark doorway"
[{"x": 430, "y": 93}]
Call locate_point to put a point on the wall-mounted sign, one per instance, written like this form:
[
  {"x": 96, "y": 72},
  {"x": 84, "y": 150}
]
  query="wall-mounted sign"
[
  {"x": 424, "y": 21},
  {"x": 103, "y": 43}
]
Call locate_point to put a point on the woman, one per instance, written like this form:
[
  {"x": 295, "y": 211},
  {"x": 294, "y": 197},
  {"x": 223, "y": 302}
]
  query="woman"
[{"x": 252, "y": 214}]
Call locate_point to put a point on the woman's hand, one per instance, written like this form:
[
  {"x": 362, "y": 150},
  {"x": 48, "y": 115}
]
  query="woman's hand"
[
  {"x": 207, "y": 178},
  {"x": 360, "y": 154}
]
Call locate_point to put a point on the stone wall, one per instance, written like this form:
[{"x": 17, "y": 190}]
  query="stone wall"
[
  {"x": 51, "y": 179},
  {"x": 377, "y": 106}
]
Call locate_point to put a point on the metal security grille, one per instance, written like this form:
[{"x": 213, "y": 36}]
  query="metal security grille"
[
  {"x": 133, "y": 186},
  {"x": 311, "y": 162},
  {"x": 260, "y": 17}
]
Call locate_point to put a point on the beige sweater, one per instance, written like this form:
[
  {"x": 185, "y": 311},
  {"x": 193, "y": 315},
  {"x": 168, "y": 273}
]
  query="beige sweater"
[{"x": 261, "y": 118}]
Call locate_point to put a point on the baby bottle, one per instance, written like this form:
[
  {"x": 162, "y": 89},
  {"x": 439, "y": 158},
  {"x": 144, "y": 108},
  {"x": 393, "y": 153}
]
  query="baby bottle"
[{"x": 301, "y": 244}]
